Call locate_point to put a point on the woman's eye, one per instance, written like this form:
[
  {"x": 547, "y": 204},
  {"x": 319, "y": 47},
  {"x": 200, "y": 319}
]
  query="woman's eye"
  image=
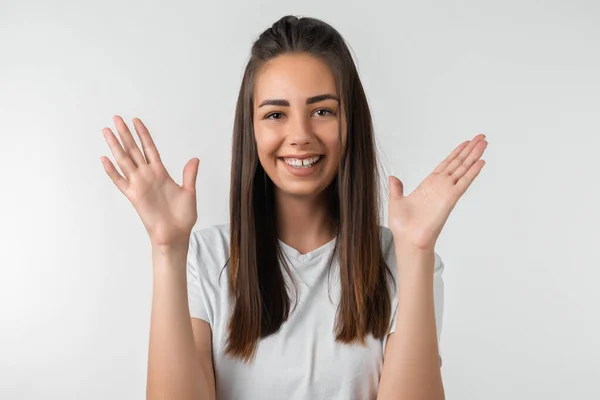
[
  {"x": 324, "y": 111},
  {"x": 321, "y": 113},
  {"x": 272, "y": 114}
]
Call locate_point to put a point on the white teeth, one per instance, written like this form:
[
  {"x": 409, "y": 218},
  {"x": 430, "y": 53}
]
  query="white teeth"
[{"x": 307, "y": 162}]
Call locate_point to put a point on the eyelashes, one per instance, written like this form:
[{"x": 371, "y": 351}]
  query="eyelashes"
[
  {"x": 326, "y": 110},
  {"x": 268, "y": 116},
  {"x": 277, "y": 113}
]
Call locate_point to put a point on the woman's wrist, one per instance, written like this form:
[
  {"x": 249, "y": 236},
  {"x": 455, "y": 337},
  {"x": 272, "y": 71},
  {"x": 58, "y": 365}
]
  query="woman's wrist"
[
  {"x": 170, "y": 257},
  {"x": 411, "y": 260}
]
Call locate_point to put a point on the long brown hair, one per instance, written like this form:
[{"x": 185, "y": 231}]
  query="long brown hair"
[{"x": 256, "y": 280}]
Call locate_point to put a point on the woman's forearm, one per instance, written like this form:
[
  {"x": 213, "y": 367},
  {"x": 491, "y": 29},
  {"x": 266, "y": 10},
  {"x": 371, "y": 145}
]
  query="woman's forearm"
[
  {"x": 411, "y": 368},
  {"x": 174, "y": 370}
]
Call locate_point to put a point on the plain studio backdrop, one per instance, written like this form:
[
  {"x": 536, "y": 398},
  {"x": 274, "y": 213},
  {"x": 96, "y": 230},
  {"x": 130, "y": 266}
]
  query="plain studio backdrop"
[{"x": 521, "y": 318}]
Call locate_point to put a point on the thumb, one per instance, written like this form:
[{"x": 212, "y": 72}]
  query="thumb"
[
  {"x": 190, "y": 172},
  {"x": 396, "y": 187}
]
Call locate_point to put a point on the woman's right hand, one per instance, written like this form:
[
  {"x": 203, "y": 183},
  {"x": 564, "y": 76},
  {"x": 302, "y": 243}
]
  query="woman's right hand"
[{"x": 168, "y": 211}]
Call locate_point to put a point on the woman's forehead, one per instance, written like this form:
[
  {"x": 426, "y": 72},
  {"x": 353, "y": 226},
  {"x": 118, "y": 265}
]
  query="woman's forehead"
[{"x": 294, "y": 78}]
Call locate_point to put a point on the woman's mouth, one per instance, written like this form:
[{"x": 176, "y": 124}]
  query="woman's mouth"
[
  {"x": 302, "y": 163},
  {"x": 304, "y": 167}
]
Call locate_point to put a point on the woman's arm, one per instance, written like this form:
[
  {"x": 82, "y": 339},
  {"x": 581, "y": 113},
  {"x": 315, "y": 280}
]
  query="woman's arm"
[
  {"x": 178, "y": 368},
  {"x": 411, "y": 369}
]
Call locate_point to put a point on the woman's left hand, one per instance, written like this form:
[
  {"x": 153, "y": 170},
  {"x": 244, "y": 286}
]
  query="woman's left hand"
[{"x": 417, "y": 219}]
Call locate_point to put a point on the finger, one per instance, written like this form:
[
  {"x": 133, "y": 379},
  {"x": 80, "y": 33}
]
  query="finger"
[
  {"x": 462, "y": 156},
  {"x": 123, "y": 160},
  {"x": 117, "y": 179},
  {"x": 129, "y": 144},
  {"x": 396, "y": 187},
  {"x": 470, "y": 160},
  {"x": 150, "y": 150},
  {"x": 190, "y": 172},
  {"x": 463, "y": 183},
  {"x": 442, "y": 166}
]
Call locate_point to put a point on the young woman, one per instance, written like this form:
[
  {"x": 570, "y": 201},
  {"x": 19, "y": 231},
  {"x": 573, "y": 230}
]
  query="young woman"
[{"x": 299, "y": 296}]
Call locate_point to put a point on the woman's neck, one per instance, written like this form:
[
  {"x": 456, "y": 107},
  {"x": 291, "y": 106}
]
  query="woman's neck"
[{"x": 304, "y": 223}]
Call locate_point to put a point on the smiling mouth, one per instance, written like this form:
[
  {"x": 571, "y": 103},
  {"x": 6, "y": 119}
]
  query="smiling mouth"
[{"x": 301, "y": 165}]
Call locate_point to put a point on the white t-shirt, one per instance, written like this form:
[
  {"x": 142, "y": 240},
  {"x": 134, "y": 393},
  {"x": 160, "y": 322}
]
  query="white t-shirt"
[{"x": 301, "y": 361}]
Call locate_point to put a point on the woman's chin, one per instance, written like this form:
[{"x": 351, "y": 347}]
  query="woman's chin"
[{"x": 300, "y": 189}]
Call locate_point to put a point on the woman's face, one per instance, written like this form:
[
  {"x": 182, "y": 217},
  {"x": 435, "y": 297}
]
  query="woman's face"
[{"x": 296, "y": 122}]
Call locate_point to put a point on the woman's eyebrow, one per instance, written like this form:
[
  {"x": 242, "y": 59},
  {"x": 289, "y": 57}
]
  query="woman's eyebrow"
[
  {"x": 321, "y": 97},
  {"x": 310, "y": 100}
]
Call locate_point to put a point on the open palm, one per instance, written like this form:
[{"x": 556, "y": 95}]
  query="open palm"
[
  {"x": 168, "y": 210},
  {"x": 418, "y": 219}
]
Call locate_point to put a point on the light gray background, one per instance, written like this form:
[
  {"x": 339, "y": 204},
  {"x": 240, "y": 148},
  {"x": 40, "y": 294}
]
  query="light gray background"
[{"x": 521, "y": 311}]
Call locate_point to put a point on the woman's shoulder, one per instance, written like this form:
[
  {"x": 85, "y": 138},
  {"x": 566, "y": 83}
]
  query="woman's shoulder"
[
  {"x": 387, "y": 240},
  {"x": 212, "y": 233},
  {"x": 209, "y": 248}
]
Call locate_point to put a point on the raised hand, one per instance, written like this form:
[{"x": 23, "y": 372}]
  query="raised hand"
[
  {"x": 417, "y": 219},
  {"x": 168, "y": 211}
]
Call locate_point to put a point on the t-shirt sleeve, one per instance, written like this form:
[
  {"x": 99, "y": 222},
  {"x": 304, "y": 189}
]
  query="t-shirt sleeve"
[
  {"x": 438, "y": 298},
  {"x": 199, "y": 286}
]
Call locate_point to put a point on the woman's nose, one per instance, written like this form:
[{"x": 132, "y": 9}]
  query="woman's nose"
[{"x": 300, "y": 131}]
